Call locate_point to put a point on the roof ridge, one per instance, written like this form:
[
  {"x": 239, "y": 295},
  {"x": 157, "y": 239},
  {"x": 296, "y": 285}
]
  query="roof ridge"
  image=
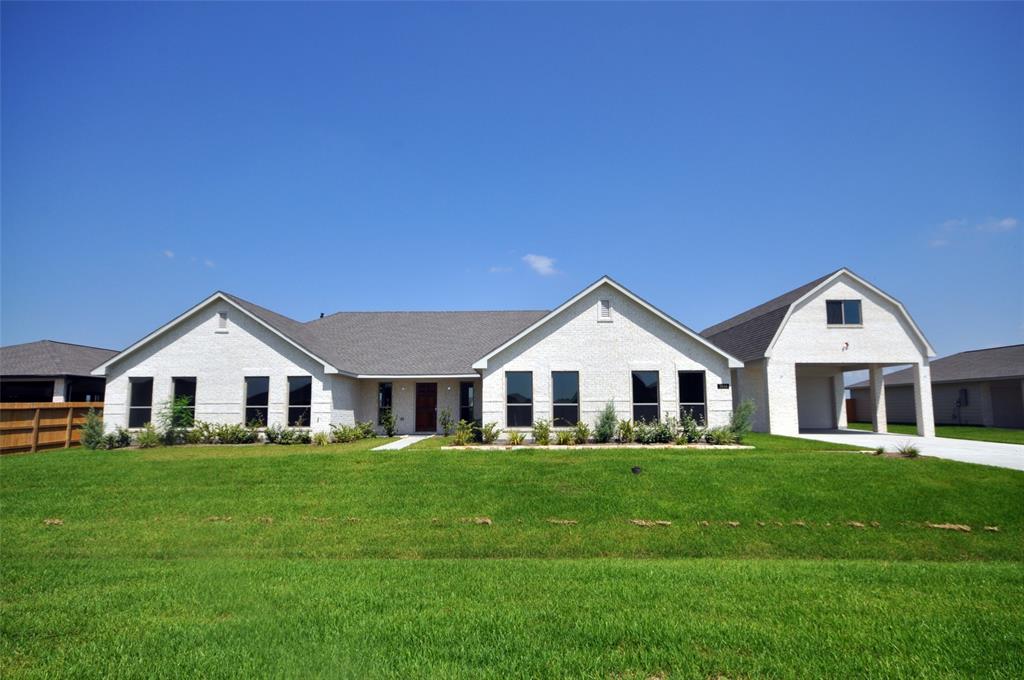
[
  {"x": 430, "y": 311},
  {"x": 985, "y": 349}
]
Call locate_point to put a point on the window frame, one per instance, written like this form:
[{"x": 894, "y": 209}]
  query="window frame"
[
  {"x": 290, "y": 406},
  {"x": 132, "y": 382},
  {"x": 555, "y": 404},
  {"x": 471, "y": 405},
  {"x": 703, "y": 420},
  {"x": 843, "y": 323},
  {"x": 256, "y": 407},
  {"x": 380, "y": 399},
  {"x": 634, "y": 403},
  {"x": 195, "y": 393},
  {"x": 518, "y": 405}
]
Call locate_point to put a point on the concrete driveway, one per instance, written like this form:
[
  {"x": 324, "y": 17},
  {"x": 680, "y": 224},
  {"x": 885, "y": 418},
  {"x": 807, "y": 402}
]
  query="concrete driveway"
[{"x": 964, "y": 450}]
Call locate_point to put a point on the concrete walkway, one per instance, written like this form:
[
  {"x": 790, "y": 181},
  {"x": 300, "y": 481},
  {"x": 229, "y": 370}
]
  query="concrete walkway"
[
  {"x": 402, "y": 442},
  {"x": 964, "y": 450}
]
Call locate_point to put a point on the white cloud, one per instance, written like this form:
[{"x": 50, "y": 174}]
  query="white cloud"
[
  {"x": 169, "y": 254},
  {"x": 499, "y": 270},
  {"x": 938, "y": 243},
  {"x": 542, "y": 264},
  {"x": 209, "y": 263},
  {"x": 1003, "y": 225}
]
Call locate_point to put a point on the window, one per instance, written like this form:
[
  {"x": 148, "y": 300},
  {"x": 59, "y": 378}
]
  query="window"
[
  {"x": 257, "y": 399},
  {"x": 86, "y": 389},
  {"x": 518, "y": 398},
  {"x": 467, "y": 398},
  {"x": 140, "y": 401},
  {"x": 645, "y": 396},
  {"x": 26, "y": 390},
  {"x": 604, "y": 310},
  {"x": 186, "y": 387},
  {"x": 692, "y": 396},
  {"x": 300, "y": 397},
  {"x": 843, "y": 312},
  {"x": 565, "y": 393},
  {"x": 383, "y": 400},
  {"x": 222, "y": 322}
]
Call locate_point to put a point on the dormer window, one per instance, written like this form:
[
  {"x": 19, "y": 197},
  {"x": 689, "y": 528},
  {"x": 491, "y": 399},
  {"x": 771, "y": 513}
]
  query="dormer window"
[
  {"x": 843, "y": 312},
  {"x": 604, "y": 310}
]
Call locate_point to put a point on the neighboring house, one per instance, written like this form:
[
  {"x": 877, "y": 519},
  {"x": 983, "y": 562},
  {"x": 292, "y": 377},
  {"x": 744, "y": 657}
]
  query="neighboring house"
[
  {"x": 978, "y": 387},
  {"x": 241, "y": 363},
  {"x": 48, "y": 370},
  {"x": 796, "y": 348}
]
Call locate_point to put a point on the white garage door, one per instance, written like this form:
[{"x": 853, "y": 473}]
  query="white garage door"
[{"x": 814, "y": 402}]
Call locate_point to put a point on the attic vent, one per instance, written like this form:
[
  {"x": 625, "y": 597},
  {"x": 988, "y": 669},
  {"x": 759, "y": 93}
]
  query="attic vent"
[
  {"x": 604, "y": 310},
  {"x": 222, "y": 322}
]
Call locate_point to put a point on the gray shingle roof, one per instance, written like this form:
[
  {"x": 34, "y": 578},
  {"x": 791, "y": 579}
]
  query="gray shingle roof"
[
  {"x": 748, "y": 334},
  {"x": 51, "y": 358},
  {"x": 399, "y": 343},
  {"x": 979, "y": 364}
]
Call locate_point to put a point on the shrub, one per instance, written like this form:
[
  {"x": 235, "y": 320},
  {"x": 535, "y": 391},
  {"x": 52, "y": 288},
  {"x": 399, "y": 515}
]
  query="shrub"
[
  {"x": 320, "y": 439},
  {"x": 489, "y": 433},
  {"x": 908, "y": 450},
  {"x": 91, "y": 435},
  {"x": 175, "y": 417},
  {"x": 388, "y": 422},
  {"x": 604, "y": 429},
  {"x": 118, "y": 439},
  {"x": 720, "y": 436},
  {"x": 654, "y": 432},
  {"x": 148, "y": 437},
  {"x": 581, "y": 433},
  {"x": 542, "y": 432},
  {"x": 446, "y": 422},
  {"x": 343, "y": 434},
  {"x": 463, "y": 433},
  {"x": 366, "y": 430},
  {"x": 202, "y": 433},
  {"x": 879, "y": 451},
  {"x": 626, "y": 432},
  {"x": 234, "y": 433},
  {"x": 690, "y": 429},
  {"x": 741, "y": 418},
  {"x": 273, "y": 433},
  {"x": 278, "y": 434},
  {"x": 564, "y": 437},
  {"x": 516, "y": 438}
]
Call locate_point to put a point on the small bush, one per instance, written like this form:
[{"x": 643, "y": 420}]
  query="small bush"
[
  {"x": 446, "y": 422},
  {"x": 285, "y": 436},
  {"x": 489, "y": 433},
  {"x": 542, "y": 432},
  {"x": 604, "y": 429},
  {"x": 626, "y": 432},
  {"x": 720, "y": 436},
  {"x": 235, "y": 433},
  {"x": 343, "y": 434},
  {"x": 273, "y": 433},
  {"x": 91, "y": 434},
  {"x": 175, "y": 418},
  {"x": 463, "y": 433},
  {"x": 879, "y": 451},
  {"x": 148, "y": 437},
  {"x": 908, "y": 450},
  {"x": 118, "y": 439},
  {"x": 564, "y": 437},
  {"x": 516, "y": 438},
  {"x": 690, "y": 429},
  {"x": 654, "y": 432},
  {"x": 581, "y": 433},
  {"x": 741, "y": 419},
  {"x": 388, "y": 422},
  {"x": 366, "y": 430},
  {"x": 320, "y": 439}
]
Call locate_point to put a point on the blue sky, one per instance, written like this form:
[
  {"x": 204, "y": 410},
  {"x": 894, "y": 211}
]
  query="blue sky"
[{"x": 344, "y": 157}]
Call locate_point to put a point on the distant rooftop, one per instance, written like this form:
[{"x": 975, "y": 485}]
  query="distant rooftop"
[
  {"x": 46, "y": 358},
  {"x": 994, "y": 363}
]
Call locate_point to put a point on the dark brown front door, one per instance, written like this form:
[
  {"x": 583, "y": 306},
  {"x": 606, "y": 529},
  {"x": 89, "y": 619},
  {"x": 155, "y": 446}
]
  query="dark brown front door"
[{"x": 426, "y": 407}]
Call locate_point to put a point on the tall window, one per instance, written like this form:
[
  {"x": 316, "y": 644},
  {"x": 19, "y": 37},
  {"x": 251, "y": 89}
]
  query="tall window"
[
  {"x": 383, "y": 400},
  {"x": 185, "y": 387},
  {"x": 843, "y": 312},
  {"x": 257, "y": 400},
  {"x": 645, "y": 396},
  {"x": 565, "y": 395},
  {"x": 467, "y": 398},
  {"x": 692, "y": 395},
  {"x": 300, "y": 399},
  {"x": 140, "y": 401},
  {"x": 518, "y": 398}
]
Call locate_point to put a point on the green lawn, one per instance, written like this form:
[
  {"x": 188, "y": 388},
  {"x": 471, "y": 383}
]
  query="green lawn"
[
  {"x": 983, "y": 434},
  {"x": 298, "y": 561}
]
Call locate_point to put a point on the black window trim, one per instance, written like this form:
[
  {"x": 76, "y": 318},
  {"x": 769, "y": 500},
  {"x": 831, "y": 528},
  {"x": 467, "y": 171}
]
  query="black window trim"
[
  {"x": 195, "y": 396},
  {"x": 634, "y": 404},
  {"x": 555, "y": 404},
  {"x": 471, "y": 405},
  {"x": 529, "y": 405},
  {"x": 684, "y": 404},
  {"x": 132, "y": 381},
  {"x": 842, "y": 311},
  {"x": 290, "y": 406},
  {"x": 245, "y": 400},
  {"x": 391, "y": 399}
]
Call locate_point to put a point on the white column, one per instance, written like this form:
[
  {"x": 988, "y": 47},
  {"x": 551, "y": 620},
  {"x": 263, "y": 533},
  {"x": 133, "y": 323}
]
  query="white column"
[
  {"x": 58, "y": 389},
  {"x": 782, "y": 410},
  {"x": 923, "y": 408},
  {"x": 839, "y": 390},
  {"x": 878, "y": 417}
]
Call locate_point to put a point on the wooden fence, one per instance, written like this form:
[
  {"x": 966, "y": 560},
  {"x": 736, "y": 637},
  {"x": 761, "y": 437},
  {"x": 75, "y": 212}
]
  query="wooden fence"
[{"x": 38, "y": 426}]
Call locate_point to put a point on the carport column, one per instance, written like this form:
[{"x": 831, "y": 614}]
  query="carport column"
[
  {"x": 878, "y": 418},
  {"x": 923, "y": 399},
  {"x": 782, "y": 409},
  {"x": 839, "y": 390}
]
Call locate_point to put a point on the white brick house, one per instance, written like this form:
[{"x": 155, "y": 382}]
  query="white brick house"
[{"x": 239, "y": 362}]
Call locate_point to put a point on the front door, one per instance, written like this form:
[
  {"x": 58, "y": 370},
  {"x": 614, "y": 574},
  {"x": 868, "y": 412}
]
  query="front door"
[{"x": 426, "y": 407}]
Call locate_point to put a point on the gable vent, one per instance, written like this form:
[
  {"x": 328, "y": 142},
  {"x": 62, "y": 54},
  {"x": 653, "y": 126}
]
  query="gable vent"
[
  {"x": 604, "y": 310},
  {"x": 222, "y": 322}
]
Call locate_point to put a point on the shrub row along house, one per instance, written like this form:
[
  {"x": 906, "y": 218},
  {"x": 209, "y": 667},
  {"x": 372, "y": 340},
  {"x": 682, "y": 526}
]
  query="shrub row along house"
[{"x": 239, "y": 362}]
